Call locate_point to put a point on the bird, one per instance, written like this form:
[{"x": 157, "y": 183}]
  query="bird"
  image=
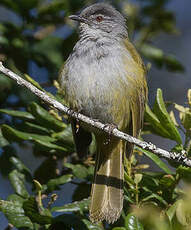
[{"x": 105, "y": 78}]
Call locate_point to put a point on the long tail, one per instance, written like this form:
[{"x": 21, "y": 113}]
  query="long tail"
[{"x": 107, "y": 188}]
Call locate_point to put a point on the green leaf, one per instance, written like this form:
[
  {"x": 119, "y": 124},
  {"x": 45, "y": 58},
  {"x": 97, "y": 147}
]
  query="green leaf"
[
  {"x": 3, "y": 40},
  {"x": 19, "y": 164},
  {"x": 32, "y": 211},
  {"x": 78, "y": 170},
  {"x": 172, "y": 64},
  {"x": 189, "y": 97},
  {"x": 12, "y": 134},
  {"x": 16, "y": 198},
  {"x": 44, "y": 118},
  {"x": 128, "y": 179},
  {"x": 155, "y": 125},
  {"x": 65, "y": 137},
  {"x": 181, "y": 214},
  {"x": 92, "y": 226},
  {"x": 119, "y": 228},
  {"x": 138, "y": 178},
  {"x": 18, "y": 114},
  {"x": 164, "y": 117},
  {"x": 54, "y": 183},
  {"x": 50, "y": 147},
  {"x": 17, "y": 180},
  {"x": 34, "y": 128},
  {"x": 132, "y": 223},
  {"x": 78, "y": 206},
  {"x": 3, "y": 141},
  {"x": 15, "y": 214},
  {"x": 153, "y": 53},
  {"x": 184, "y": 173},
  {"x": 172, "y": 211},
  {"x": 53, "y": 7},
  {"x": 49, "y": 49},
  {"x": 21, "y": 7},
  {"x": 168, "y": 181},
  {"x": 157, "y": 160},
  {"x": 154, "y": 196},
  {"x": 33, "y": 82},
  {"x": 186, "y": 121},
  {"x": 161, "y": 59}
]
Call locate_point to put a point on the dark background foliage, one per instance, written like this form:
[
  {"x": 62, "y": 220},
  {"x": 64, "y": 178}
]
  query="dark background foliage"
[{"x": 35, "y": 40}]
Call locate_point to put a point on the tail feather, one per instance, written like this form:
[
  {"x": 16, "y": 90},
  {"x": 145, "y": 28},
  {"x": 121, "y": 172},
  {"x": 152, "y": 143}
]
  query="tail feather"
[{"x": 107, "y": 189}]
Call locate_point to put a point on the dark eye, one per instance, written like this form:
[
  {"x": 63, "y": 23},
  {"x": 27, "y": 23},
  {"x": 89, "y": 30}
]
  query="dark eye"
[{"x": 99, "y": 18}]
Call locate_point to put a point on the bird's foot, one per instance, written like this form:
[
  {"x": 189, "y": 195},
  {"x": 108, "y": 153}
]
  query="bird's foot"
[{"x": 109, "y": 129}]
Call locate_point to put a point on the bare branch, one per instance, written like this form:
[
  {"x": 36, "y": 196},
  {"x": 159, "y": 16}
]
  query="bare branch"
[{"x": 177, "y": 157}]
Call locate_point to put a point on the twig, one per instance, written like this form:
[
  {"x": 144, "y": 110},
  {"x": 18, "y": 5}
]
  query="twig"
[{"x": 177, "y": 157}]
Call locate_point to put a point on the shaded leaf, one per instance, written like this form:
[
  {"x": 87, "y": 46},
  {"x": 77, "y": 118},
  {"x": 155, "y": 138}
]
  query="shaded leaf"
[
  {"x": 68, "y": 221},
  {"x": 32, "y": 211},
  {"x": 65, "y": 137},
  {"x": 8, "y": 152},
  {"x": 78, "y": 170},
  {"x": 44, "y": 118},
  {"x": 82, "y": 191},
  {"x": 154, "y": 196},
  {"x": 34, "y": 128},
  {"x": 157, "y": 160},
  {"x": 46, "y": 171},
  {"x": 54, "y": 183}
]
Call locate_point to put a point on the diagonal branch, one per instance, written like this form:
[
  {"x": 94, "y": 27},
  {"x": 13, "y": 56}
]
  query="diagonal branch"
[{"x": 177, "y": 157}]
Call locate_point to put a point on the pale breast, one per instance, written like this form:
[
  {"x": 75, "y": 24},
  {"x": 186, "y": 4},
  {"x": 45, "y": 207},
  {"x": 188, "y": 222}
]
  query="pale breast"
[{"x": 96, "y": 83}]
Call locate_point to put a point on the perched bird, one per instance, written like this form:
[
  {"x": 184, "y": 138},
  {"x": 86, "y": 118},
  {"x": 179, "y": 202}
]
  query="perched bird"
[{"x": 104, "y": 78}]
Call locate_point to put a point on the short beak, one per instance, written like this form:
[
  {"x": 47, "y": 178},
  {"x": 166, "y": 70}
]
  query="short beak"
[{"x": 77, "y": 18}]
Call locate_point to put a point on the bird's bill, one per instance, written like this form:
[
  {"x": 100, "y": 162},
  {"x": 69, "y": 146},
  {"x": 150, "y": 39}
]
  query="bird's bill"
[{"x": 77, "y": 18}]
